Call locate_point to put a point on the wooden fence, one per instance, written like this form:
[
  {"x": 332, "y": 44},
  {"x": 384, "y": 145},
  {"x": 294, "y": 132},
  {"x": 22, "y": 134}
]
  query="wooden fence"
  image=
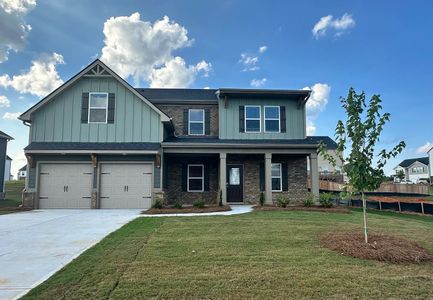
[{"x": 384, "y": 188}]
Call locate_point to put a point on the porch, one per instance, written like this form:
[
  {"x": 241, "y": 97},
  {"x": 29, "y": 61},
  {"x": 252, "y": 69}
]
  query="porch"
[{"x": 237, "y": 175}]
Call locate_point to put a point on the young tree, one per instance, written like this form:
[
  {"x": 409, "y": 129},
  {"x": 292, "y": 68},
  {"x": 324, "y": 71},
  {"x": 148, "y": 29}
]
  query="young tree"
[
  {"x": 361, "y": 131},
  {"x": 400, "y": 175}
]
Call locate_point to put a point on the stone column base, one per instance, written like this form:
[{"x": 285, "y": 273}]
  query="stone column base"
[
  {"x": 94, "y": 200},
  {"x": 159, "y": 196},
  {"x": 29, "y": 199}
]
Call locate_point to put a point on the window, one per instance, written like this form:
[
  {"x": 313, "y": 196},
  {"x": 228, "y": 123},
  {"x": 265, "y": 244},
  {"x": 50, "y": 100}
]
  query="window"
[
  {"x": 195, "y": 178},
  {"x": 98, "y": 107},
  {"x": 276, "y": 177},
  {"x": 196, "y": 121},
  {"x": 418, "y": 170},
  {"x": 252, "y": 119},
  {"x": 272, "y": 119}
]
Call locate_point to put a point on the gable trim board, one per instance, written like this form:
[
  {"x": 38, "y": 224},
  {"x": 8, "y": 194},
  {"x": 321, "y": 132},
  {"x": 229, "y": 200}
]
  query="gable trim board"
[{"x": 26, "y": 116}]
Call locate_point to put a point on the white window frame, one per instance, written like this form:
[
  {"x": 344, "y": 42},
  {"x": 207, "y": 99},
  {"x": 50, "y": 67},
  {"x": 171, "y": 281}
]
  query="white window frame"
[
  {"x": 202, "y": 178},
  {"x": 272, "y": 119},
  {"x": 199, "y": 122},
  {"x": 90, "y": 108},
  {"x": 280, "y": 177},
  {"x": 252, "y": 119}
]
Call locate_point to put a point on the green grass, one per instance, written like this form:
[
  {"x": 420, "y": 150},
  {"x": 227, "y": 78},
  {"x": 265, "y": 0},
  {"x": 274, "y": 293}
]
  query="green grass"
[
  {"x": 258, "y": 255},
  {"x": 13, "y": 195}
]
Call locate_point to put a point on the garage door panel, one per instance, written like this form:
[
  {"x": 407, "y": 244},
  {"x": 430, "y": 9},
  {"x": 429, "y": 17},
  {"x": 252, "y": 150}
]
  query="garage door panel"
[
  {"x": 65, "y": 185},
  {"x": 126, "y": 185}
]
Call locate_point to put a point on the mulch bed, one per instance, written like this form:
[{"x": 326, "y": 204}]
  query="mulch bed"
[
  {"x": 14, "y": 209},
  {"x": 397, "y": 199},
  {"x": 381, "y": 247},
  {"x": 185, "y": 210},
  {"x": 302, "y": 208}
]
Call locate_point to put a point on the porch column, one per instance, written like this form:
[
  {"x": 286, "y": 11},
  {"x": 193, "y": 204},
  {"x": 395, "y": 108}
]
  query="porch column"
[
  {"x": 314, "y": 174},
  {"x": 223, "y": 175},
  {"x": 268, "y": 178}
]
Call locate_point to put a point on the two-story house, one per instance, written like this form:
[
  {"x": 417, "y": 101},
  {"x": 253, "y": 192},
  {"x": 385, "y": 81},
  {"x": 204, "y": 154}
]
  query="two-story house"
[
  {"x": 97, "y": 142},
  {"x": 415, "y": 169}
]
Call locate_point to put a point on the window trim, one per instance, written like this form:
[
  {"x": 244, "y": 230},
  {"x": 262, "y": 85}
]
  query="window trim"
[
  {"x": 272, "y": 119},
  {"x": 252, "y": 119},
  {"x": 188, "y": 178},
  {"x": 198, "y": 122},
  {"x": 90, "y": 108},
  {"x": 280, "y": 177}
]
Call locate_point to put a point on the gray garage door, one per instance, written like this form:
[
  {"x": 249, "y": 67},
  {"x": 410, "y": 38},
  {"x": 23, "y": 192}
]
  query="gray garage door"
[
  {"x": 126, "y": 185},
  {"x": 65, "y": 185}
]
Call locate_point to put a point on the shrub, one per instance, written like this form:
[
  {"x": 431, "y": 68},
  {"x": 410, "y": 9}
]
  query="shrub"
[
  {"x": 199, "y": 204},
  {"x": 309, "y": 200},
  {"x": 158, "y": 204},
  {"x": 177, "y": 205},
  {"x": 325, "y": 200},
  {"x": 282, "y": 201},
  {"x": 262, "y": 199}
]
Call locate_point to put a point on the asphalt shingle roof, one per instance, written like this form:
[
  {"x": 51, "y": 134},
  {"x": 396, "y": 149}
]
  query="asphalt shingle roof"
[
  {"x": 407, "y": 162},
  {"x": 91, "y": 146}
]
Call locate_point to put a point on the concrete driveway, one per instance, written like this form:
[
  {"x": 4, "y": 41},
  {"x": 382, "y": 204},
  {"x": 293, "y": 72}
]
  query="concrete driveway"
[{"x": 36, "y": 244}]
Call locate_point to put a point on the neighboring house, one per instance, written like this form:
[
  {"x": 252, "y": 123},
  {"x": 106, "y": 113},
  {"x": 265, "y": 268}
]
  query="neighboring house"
[
  {"x": 324, "y": 165},
  {"x": 22, "y": 173},
  {"x": 4, "y": 139},
  {"x": 430, "y": 155},
  {"x": 8, "y": 164},
  {"x": 97, "y": 142},
  {"x": 414, "y": 169}
]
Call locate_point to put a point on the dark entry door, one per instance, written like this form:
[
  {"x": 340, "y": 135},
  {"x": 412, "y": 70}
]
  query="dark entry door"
[{"x": 235, "y": 187}]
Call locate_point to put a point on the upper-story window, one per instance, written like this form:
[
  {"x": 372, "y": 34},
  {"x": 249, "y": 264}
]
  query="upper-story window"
[
  {"x": 272, "y": 119},
  {"x": 418, "y": 170},
  {"x": 196, "y": 122},
  {"x": 98, "y": 107},
  {"x": 252, "y": 119}
]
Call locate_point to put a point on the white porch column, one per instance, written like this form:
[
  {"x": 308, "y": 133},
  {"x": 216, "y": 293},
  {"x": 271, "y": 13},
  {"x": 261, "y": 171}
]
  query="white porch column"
[
  {"x": 314, "y": 174},
  {"x": 223, "y": 179},
  {"x": 268, "y": 178}
]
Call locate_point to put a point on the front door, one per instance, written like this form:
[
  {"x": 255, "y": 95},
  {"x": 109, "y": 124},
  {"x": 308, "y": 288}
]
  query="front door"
[{"x": 235, "y": 187}]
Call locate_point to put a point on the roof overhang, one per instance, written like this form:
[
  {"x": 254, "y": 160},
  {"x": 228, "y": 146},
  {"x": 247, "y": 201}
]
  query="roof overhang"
[
  {"x": 26, "y": 116},
  {"x": 300, "y": 95},
  {"x": 64, "y": 152},
  {"x": 239, "y": 146}
]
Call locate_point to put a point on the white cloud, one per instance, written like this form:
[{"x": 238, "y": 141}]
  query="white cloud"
[
  {"x": 18, "y": 161},
  {"x": 176, "y": 73},
  {"x": 11, "y": 116},
  {"x": 316, "y": 104},
  {"x": 4, "y": 101},
  {"x": 424, "y": 148},
  {"x": 249, "y": 62},
  {"x": 144, "y": 51},
  {"x": 258, "y": 82},
  {"x": 339, "y": 26},
  {"x": 262, "y": 49},
  {"x": 13, "y": 28},
  {"x": 41, "y": 79}
]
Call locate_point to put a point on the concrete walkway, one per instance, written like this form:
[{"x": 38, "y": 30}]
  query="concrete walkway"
[
  {"x": 236, "y": 210},
  {"x": 36, "y": 244}
]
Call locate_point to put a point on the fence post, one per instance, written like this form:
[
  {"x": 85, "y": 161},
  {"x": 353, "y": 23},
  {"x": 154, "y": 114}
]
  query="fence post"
[
  {"x": 380, "y": 205},
  {"x": 399, "y": 206},
  {"x": 422, "y": 207}
]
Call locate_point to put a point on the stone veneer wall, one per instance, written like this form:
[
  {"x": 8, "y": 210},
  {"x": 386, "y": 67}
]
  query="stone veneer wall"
[
  {"x": 175, "y": 112},
  {"x": 173, "y": 192}
]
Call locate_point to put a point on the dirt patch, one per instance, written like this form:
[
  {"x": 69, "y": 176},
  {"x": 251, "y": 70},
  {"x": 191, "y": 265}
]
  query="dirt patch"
[
  {"x": 381, "y": 247},
  {"x": 302, "y": 208},
  {"x": 397, "y": 199},
  {"x": 185, "y": 210}
]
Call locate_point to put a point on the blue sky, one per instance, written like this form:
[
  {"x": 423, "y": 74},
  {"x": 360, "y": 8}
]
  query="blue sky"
[{"x": 371, "y": 46}]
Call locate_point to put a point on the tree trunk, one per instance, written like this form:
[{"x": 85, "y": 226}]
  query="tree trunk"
[{"x": 364, "y": 209}]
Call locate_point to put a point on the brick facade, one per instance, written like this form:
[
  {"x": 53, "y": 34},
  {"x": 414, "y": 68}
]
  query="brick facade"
[
  {"x": 175, "y": 112},
  {"x": 296, "y": 168}
]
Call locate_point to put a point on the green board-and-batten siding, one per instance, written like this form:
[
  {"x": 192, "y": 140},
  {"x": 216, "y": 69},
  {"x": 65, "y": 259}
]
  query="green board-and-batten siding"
[
  {"x": 229, "y": 119},
  {"x": 60, "y": 119}
]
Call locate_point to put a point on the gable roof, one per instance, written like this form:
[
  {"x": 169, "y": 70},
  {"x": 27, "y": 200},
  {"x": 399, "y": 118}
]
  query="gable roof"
[
  {"x": 23, "y": 168},
  {"x": 8, "y": 158},
  {"x": 408, "y": 162},
  {"x": 27, "y": 114},
  {"x": 5, "y": 136}
]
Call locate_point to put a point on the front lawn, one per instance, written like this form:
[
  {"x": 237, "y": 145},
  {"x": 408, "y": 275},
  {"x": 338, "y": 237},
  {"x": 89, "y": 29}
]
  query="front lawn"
[
  {"x": 258, "y": 255},
  {"x": 13, "y": 189}
]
